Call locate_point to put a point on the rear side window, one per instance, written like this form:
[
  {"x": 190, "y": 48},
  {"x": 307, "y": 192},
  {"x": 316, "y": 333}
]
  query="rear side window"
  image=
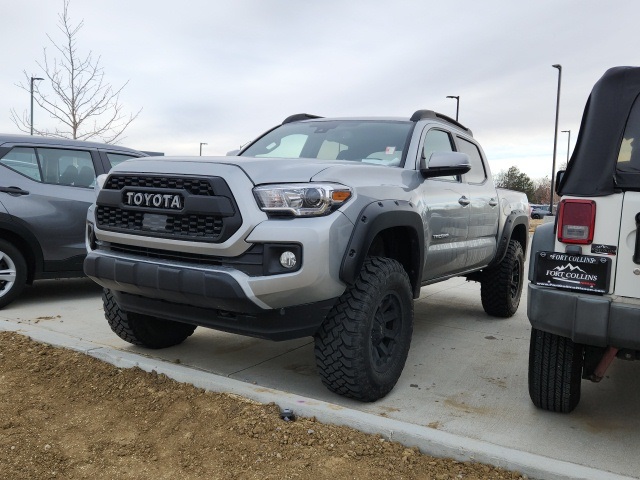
[
  {"x": 52, "y": 165},
  {"x": 477, "y": 174},
  {"x": 118, "y": 158},
  {"x": 629, "y": 154}
]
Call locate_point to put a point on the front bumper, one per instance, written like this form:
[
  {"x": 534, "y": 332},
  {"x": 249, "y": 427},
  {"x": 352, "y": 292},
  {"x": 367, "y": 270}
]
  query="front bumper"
[
  {"x": 587, "y": 319},
  {"x": 208, "y": 298}
]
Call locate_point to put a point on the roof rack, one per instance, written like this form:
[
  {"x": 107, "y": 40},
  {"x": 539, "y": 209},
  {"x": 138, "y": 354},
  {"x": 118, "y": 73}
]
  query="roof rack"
[
  {"x": 298, "y": 117},
  {"x": 422, "y": 114}
]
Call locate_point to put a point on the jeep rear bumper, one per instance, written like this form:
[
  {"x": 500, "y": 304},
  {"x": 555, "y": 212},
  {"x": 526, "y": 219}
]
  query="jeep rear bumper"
[{"x": 587, "y": 319}]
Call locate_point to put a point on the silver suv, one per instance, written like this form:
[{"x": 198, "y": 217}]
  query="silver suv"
[
  {"x": 46, "y": 187},
  {"x": 584, "y": 295}
]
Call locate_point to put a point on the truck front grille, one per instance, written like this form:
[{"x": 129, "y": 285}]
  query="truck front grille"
[
  {"x": 192, "y": 226},
  {"x": 206, "y": 209},
  {"x": 194, "y": 186}
]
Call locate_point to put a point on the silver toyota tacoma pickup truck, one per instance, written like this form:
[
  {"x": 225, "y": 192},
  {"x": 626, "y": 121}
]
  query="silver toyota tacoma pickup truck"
[{"x": 323, "y": 227}]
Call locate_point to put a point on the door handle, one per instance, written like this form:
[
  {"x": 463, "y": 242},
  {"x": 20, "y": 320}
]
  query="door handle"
[
  {"x": 464, "y": 201},
  {"x": 15, "y": 191},
  {"x": 493, "y": 202}
]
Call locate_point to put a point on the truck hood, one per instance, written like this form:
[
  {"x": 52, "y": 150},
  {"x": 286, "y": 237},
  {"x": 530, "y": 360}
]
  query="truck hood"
[{"x": 259, "y": 170}]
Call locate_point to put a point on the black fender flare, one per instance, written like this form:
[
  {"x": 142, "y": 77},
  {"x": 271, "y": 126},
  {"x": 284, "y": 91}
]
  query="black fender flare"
[
  {"x": 373, "y": 219},
  {"x": 511, "y": 222}
]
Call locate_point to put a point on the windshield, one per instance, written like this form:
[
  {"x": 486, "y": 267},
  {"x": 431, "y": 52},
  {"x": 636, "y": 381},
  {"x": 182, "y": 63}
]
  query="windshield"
[{"x": 370, "y": 141}]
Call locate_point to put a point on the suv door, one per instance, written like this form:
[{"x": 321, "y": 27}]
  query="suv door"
[
  {"x": 48, "y": 191},
  {"x": 445, "y": 203}
]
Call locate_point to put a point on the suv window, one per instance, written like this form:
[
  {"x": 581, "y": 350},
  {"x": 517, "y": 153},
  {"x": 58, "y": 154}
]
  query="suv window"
[
  {"x": 477, "y": 174},
  {"x": 52, "y": 165},
  {"x": 23, "y": 161},
  {"x": 629, "y": 154},
  {"x": 118, "y": 158},
  {"x": 438, "y": 141}
]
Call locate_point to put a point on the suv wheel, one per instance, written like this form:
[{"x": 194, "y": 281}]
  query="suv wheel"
[
  {"x": 13, "y": 273},
  {"x": 555, "y": 371},
  {"x": 501, "y": 286},
  {"x": 362, "y": 346},
  {"x": 144, "y": 330}
]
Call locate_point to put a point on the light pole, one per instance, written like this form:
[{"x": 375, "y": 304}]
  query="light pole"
[
  {"x": 33, "y": 79},
  {"x": 201, "y": 143},
  {"x": 555, "y": 139},
  {"x": 568, "y": 143},
  {"x": 457, "y": 97}
]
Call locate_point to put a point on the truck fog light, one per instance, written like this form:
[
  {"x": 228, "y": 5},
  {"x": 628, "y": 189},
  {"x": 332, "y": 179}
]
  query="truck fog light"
[{"x": 288, "y": 259}]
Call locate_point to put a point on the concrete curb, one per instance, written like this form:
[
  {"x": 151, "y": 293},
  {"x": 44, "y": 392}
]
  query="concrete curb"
[{"x": 428, "y": 440}]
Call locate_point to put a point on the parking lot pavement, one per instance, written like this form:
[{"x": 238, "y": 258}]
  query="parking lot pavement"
[{"x": 466, "y": 374}]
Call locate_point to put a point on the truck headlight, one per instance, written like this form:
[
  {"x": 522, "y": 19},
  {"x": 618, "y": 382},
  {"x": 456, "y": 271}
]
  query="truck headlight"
[{"x": 301, "y": 199}]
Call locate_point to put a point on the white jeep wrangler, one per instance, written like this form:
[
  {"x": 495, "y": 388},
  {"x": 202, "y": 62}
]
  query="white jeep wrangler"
[{"x": 584, "y": 291}]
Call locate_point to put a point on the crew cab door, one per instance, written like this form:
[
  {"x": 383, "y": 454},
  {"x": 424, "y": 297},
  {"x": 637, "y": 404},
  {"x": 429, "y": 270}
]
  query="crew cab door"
[
  {"x": 484, "y": 207},
  {"x": 444, "y": 204}
]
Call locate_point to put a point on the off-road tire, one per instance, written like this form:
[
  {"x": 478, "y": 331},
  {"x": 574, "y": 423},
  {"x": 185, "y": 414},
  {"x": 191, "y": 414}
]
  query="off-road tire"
[
  {"x": 555, "y": 371},
  {"x": 143, "y": 330},
  {"x": 13, "y": 273},
  {"x": 501, "y": 286},
  {"x": 362, "y": 345}
]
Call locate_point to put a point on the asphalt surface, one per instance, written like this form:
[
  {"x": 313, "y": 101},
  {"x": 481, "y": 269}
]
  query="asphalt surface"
[{"x": 463, "y": 392}]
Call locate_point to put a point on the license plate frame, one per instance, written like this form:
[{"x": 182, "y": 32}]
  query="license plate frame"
[{"x": 583, "y": 273}]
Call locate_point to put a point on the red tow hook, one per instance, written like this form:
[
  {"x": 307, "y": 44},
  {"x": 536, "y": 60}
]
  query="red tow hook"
[{"x": 609, "y": 354}]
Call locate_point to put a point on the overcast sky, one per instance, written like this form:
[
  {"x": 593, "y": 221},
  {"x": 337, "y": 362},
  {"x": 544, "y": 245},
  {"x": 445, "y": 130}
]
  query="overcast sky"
[{"x": 224, "y": 72}]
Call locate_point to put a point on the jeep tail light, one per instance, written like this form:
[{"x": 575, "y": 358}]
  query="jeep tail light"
[{"x": 576, "y": 219}]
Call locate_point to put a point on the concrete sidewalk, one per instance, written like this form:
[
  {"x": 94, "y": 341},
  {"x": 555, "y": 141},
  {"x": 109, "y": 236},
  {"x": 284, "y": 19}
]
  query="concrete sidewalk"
[{"x": 463, "y": 392}]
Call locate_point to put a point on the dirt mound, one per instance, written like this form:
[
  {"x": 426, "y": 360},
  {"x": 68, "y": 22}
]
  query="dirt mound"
[{"x": 66, "y": 415}]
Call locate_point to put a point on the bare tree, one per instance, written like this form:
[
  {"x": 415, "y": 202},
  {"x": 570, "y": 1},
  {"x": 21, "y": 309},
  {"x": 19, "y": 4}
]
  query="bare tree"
[
  {"x": 541, "y": 192},
  {"x": 82, "y": 104}
]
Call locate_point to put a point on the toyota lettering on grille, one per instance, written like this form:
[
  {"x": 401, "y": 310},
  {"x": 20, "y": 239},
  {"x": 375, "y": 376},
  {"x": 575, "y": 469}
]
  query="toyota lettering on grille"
[{"x": 171, "y": 201}]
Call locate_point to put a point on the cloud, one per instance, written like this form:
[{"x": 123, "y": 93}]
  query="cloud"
[{"x": 224, "y": 72}]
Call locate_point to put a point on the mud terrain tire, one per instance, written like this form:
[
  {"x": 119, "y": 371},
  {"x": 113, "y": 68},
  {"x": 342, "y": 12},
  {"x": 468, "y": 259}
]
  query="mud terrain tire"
[
  {"x": 362, "y": 346},
  {"x": 501, "y": 286},
  {"x": 555, "y": 371},
  {"x": 143, "y": 330}
]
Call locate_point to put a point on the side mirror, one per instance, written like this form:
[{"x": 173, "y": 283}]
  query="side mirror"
[
  {"x": 559, "y": 177},
  {"x": 442, "y": 164},
  {"x": 233, "y": 153}
]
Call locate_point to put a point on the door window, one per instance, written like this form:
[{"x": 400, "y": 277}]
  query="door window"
[
  {"x": 477, "y": 173},
  {"x": 52, "y": 165},
  {"x": 67, "y": 167},
  {"x": 438, "y": 141}
]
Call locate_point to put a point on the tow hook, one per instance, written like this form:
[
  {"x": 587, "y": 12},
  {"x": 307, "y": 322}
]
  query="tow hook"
[{"x": 608, "y": 356}]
